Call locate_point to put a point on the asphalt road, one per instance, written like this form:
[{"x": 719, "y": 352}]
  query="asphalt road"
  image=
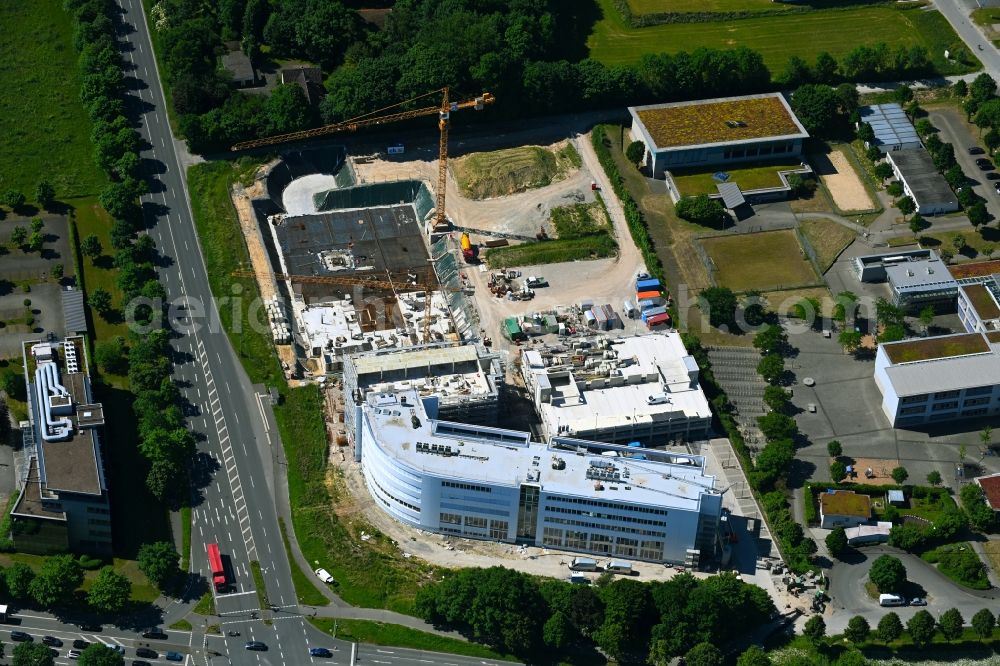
[
  {"x": 957, "y": 13},
  {"x": 847, "y": 589},
  {"x": 957, "y": 134}
]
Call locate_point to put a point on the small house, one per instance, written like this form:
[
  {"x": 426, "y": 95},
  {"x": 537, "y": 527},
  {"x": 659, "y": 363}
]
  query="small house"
[
  {"x": 844, "y": 508},
  {"x": 240, "y": 69},
  {"x": 310, "y": 79}
]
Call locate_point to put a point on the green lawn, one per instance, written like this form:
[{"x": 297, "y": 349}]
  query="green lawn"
[
  {"x": 827, "y": 238},
  {"x": 552, "y": 251},
  {"x": 142, "y": 590},
  {"x": 960, "y": 563},
  {"x": 759, "y": 261},
  {"x": 46, "y": 132},
  {"x": 378, "y": 633},
  {"x": 701, "y": 6},
  {"x": 92, "y": 219},
  {"x": 803, "y": 34},
  {"x": 753, "y": 176},
  {"x": 305, "y": 588}
]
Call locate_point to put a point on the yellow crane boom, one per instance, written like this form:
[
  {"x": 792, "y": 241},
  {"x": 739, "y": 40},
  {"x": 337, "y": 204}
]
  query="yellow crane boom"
[{"x": 443, "y": 111}]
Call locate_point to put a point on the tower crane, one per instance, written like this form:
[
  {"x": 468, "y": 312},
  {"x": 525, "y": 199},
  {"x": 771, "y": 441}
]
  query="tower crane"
[{"x": 442, "y": 110}]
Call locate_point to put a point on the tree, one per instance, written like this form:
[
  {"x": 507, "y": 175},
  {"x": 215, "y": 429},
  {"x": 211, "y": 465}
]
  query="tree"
[
  {"x": 838, "y": 471},
  {"x": 37, "y": 224},
  {"x": 796, "y": 72},
  {"x": 771, "y": 367},
  {"x": 978, "y": 215},
  {"x": 834, "y": 448},
  {"x": 32, "y": 654},
  {"x": 110, "y": 591},
  {"x": 934, "y": 478},
  {"x": 754, "y": 656},
  {"x": 18, "y": 577},
  {"x": 850, "y": 340},
  {"x": 776, "y": 398},
  {"x": 983, "y": 622},
  {"x": 91, "y": 246},
  {"x": 924, "y": 127},
  {"x": 701, "y": 210},
  {"x": 867, "y": 135},
  {"x": 558, "y": 631},
  {"x": 946, "y": 255},
  {"x": 817, "y": 107},
  {"x": 857, "y": 630},
  {"x": 777, "y": 426},
  {"x": 97, "y": 654},
  {"x": 635, "y": 152},
  {"x": 891, "y": 333},
  {"x": 836, "y": 542},
  {"x": 951, "y": 623},
  {"x": 883, "y": 171},
  {"x": 960, "y": 88},
  {"x": 889, "y": 628},
  {"x": 111, "y": 356},
  {"x": 13, "y": 199},
  {"x": 888, "y": 574},
  {"x": 754, "y": 313},
  {"x": 55, "y": 583},
  {"x": 825, "y": 69},
  {"x": 902, "y": 94},
  {"x": 772, "y": 339},
  {"x": 847, "y": 95},
  {"x": 983, "y": 88},
  {"x": 986, "y": 435},
  {"x": 100, "y": 300},
  {"x": 899, "y": 474},
  {"x": 703, "y": 654},
  {"x": 981, "y": 516},
  {"x": 36, "y": 241},
  {"x": 721, "y": 305},
  {"x": 288, "y": 110},
  {"x": 57, "y": 272},
  {"x": 159, "y": 562},
  {"x": 18, "y": 235},
  {"x": 894, "y": 189},
  {"x": 45, "y": 194},
  {"x": 627, "y": 608},
  {"x": 906, "y": 206},
  {"x": 814, "y": 629},
  {"x": 921, "y": 628}
]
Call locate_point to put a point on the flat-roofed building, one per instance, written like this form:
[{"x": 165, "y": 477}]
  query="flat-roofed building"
[
  {"x": 459, "y": 382},
  {"x": 892, "y": 129},
  {"x": 978, "y": 306},
  {"x": 843, "y": 508},
  {"x": 709, "y": 132},
  {"x": 63, "y": 499},
  {"x": 921, "y": 181},
  {"x": 490, "y": 483},
  {"x": 642, "y": 388}
]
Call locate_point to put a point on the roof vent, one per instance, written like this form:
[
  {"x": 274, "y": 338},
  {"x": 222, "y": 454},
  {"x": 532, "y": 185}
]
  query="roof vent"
[{"x": 733, "y": 124}]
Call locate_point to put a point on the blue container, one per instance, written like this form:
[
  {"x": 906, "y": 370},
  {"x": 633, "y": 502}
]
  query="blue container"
[{"x": 643, "y": 285}]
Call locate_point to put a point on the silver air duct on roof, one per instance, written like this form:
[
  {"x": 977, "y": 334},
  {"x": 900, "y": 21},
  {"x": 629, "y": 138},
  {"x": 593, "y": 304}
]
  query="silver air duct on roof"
[{"x": 54, "y": 401}]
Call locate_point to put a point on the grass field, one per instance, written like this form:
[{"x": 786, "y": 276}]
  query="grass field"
[
  {"x": 305, "y": 588},
  {"x": 778, "y": 37},
  {"x": 750, "y": 177},
  {"x": 378, "y": 633},
  {"x": 142, "y": 590},
  {"x": 960, "y": 563},
  {"x": 502, "y": 172},
  {"x": 687, "y": 6},
  {"x": 46, "y": 132},
  {"x": 827, "y": 238},
  {"x": 92, "y": 219},
  {"x": 759, "y": 261}
]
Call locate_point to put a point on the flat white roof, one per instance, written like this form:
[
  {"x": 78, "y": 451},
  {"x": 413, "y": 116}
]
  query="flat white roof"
[
  {"x": 945, "y": 374},
  {"x": 501, "y": 457},
  {"x": 648, "y": 364}
]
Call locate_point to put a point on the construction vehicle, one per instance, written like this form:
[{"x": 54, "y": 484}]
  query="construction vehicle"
[
  {"x": 467, "y": 250},
  {"x": 443, "y": 112}
]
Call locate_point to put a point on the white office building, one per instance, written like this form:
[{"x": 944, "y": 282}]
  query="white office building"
[
  {"x": 643, "y": 388},
  {"x": 491, "y": 483}
]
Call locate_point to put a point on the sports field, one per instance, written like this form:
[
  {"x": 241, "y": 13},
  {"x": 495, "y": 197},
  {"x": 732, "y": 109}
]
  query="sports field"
[
  {"x": 804, "y": 34},
  {"x": 759, "y": 261},
  {"x": 44, "y": 131},
  {"x": 686, "y": 6}
]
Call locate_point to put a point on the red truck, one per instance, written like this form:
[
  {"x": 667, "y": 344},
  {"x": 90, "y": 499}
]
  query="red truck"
[{"x": 215, "y": 562}]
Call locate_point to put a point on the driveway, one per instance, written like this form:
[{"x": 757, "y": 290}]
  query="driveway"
[
  {"x": 957, "y": 133},
  {"x": 847, "y": 589}
]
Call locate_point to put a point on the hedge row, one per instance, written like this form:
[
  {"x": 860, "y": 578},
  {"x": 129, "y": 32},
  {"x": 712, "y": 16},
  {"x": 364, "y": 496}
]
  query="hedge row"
[{"x": 633, "y": 216}]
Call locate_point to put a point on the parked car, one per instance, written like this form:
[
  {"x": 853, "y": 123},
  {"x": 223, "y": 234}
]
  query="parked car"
[
  {"x": 976, "y": 150},
  {"x": 256, "y": 645},
  {"x": 918, "y": 601},
  {"x": 324, "y": 576},
  {"x": 113, "y": 646},
  {"x": 81, "y": 644},
  {"x": 95, "y": 628},
  {"x": 146, "y": 652},
  {"x": 154, "y": 633},
  {"x": 320, "y": 652},
  {"x": 996, "y": 186},
  {"x": 140, "y": 662},
  {"x": 20, "y": 636},
  {"x": 993, "y": 175},
  {"x": 984, "y": 164},
  {"x": 173, "y": 656},
  {"x": 533, "y": 281},
  {"x": 75, "y": 654},
  {"x": 52, "y": 640}
]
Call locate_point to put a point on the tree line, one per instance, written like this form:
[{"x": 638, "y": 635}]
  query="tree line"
[
  {"x": 530, "y": 54},
  {"x": 164, "y": 440},
  {"x": 626, "y": 619}
]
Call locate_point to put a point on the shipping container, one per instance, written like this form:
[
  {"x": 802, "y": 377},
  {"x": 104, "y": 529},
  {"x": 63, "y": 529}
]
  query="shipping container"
[
  {"x": 652, "y": 312},
  {"x": 647, "y": 285},
  {"x": 590, "y": 319},
  {"x": 647, "y": 303},
  {"x": 652, "y": 293},
  {"x": 513, "y": 331},
  {"x": 658, "y": 320}
]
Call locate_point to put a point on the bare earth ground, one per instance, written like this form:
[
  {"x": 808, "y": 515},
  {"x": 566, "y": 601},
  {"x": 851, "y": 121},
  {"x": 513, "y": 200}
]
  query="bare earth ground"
[
  {"x": 847, "y": 190},
  {"x": 881, "y": 468}
]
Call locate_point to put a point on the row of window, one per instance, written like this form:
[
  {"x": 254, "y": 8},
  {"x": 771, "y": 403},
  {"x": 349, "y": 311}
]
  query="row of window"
[
  {"x": 601, "y": 526},
  {"x": 945, "y": 406},
  {"x": 395, "y": 499},
  {"x": 608, "y": 505},
  {"x": 467, "y": 486},
  {"x": 474, "y": 509},
  {"x": 944, "y": 395},
  {"x": 474, "y": 525},
  {"x": 97, "y": 509},
  {"x": 763, "y": 150},
  {"x": 600, "y": 543},
  {"x": 605, "y": 516}
]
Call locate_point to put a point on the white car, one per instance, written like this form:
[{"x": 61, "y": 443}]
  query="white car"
[
  {"x": 324, "y": 576},
  {"x": 73, "y": 654}
]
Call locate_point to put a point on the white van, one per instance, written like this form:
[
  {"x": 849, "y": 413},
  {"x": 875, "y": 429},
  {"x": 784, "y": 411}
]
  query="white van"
[
  {"x": 618, "y": 567},
  {"x": 657, "y": 399},
  {"x": 891, "y": 600},
  {"x": 630, "y": 310},
  {"x": 583, "y": 564}
]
